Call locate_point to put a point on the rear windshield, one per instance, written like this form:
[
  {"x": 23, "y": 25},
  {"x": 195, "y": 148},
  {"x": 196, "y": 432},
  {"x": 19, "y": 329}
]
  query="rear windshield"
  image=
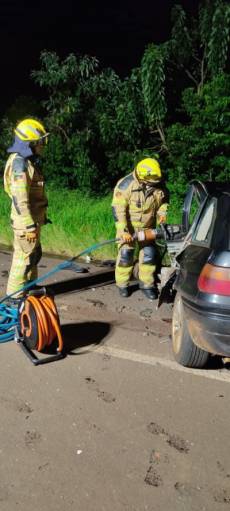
[{"x": 213, "y": 227}]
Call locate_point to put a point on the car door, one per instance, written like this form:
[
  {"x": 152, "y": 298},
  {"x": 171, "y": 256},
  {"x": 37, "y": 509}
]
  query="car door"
[
  {"x": 194, "y": 200},
  {"x": 194, "y": 256}
]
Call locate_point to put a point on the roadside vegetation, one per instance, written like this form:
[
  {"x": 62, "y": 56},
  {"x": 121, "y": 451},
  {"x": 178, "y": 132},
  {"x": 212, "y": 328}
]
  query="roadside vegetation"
[
  {"x": 174, "y": 106},
  {"x": 77, "y": 223}
]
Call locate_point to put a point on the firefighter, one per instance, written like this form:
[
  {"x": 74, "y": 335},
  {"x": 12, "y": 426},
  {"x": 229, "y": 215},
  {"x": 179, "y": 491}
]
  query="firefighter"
[
  {"x": 24, "y": 183},
  {"x": 140, "y": 202}
]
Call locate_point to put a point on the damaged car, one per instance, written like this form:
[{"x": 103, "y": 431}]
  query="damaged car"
[{"x": 199, "y": 279}]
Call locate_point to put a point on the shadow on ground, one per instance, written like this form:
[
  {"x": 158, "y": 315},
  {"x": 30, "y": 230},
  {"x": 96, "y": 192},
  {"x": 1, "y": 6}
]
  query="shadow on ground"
[
  {"x": 82, "y": 282},
  {"x": 216, "y": 362},
  {"x": 80, "y": 338}
]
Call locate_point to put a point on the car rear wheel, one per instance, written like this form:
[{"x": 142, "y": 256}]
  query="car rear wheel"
[{"x": 185, "y": 351}]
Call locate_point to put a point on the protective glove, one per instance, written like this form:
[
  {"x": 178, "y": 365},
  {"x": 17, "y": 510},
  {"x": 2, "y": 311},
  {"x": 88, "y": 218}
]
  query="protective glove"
[
  {"x": 126, "y": 237},
  {"x": 31, "y": 236}
]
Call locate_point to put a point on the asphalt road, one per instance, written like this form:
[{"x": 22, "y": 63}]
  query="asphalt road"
[{"x": 116, "y": 425}]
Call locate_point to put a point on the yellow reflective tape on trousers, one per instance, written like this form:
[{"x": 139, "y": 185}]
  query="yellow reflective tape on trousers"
[{"x": 147, "y": 268}]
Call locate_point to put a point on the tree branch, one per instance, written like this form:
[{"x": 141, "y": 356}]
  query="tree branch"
[
  {"x": 203, "y": 73},
  {"x": 160, "y": 131},
  {"x": 63, "y": 132},
  {"x": 191, "y": 77},
  {"x": 189, "y": 74}
]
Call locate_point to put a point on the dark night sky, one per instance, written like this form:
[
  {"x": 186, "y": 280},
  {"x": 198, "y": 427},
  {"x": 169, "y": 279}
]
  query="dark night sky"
[{"x": 115, "y": 32}]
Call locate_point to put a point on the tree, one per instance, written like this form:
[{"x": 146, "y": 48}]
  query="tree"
[
  {"x": 195, "y": 53},
  {"x": 23, "y": 106},
  {"x": 95, "y": 115},
  {"x": 6, "y": 130},
  {"x": 101, "y": 124},
  {"x": 153, "y": 88},
  {"x": 200, "y": 49},
  {"x": 199, "y": 149}
]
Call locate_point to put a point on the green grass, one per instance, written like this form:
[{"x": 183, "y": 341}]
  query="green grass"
[
  {"x": 5, "y": 228},
  {"x": 78, "y": 222}
]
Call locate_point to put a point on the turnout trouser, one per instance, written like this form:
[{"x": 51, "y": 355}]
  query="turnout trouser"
[
  {"x": 26, "y": 257},
  {"x": 125, "y": 263}
]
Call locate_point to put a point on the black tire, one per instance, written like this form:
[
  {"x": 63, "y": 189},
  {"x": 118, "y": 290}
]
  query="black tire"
[{"x": 185, "y": 351}]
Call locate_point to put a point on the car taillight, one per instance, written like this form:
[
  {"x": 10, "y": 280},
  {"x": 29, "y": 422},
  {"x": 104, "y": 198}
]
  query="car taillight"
[{"x": 214, "y": 280}]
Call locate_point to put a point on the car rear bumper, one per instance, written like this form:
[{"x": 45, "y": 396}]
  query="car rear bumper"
[{"x": 208, "y": 329}]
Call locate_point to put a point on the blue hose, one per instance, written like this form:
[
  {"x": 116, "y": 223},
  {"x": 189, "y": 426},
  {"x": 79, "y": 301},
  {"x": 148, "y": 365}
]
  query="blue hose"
[
  {"x": 8, "y": 322},
  {"x": 9, "y": 314}
]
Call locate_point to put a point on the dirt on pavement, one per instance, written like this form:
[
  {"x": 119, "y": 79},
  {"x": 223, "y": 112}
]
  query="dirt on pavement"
[{"x": 116, "y": 425}]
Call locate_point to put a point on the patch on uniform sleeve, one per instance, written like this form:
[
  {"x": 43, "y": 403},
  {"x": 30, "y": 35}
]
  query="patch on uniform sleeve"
[
  {"x": 19, "y": 165},
  {"x": 118, "y": 194}
]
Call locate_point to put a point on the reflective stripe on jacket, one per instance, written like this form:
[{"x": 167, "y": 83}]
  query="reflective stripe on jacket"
[
  {"x": 136, "y": 205},
  {"x": 24, "y": 183}
]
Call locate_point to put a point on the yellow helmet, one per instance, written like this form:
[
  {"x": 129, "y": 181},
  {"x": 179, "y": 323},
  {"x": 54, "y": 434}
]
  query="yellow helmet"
[
  {"x": 30, "y": 130},
  {"x": 148, "y": 170}
]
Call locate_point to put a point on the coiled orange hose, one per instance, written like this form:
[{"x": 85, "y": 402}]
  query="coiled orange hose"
[{"x": 47, "y": 324}]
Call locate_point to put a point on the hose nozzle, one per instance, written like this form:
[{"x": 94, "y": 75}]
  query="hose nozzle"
[
  {"x": 163, "y": 231},
  {"x": 146, "y": 235}
]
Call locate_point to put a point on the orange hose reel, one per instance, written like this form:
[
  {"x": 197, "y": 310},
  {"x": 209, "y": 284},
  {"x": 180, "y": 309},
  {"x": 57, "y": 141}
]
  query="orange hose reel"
[{"x": 39, "y": 323}]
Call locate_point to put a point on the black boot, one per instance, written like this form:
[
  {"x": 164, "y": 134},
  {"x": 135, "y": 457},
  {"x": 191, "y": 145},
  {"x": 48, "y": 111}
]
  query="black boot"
[
  {"x": 150, "y": 293},
  {"x": 124, "y": 292}
]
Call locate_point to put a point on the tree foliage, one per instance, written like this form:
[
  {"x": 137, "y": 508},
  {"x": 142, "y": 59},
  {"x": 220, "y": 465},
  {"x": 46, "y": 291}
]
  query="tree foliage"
[
  {"x": 200, "y": 148},
  {"x": 200, "y": 48},
  {"x": 218, "y": 42},
  {"x": 176, "y": 104},
  {"x": 97, "y": 117},
  {"x": 153, "y": 87}
]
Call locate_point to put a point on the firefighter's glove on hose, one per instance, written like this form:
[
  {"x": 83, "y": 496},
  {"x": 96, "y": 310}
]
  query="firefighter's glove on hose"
[
  {"x": 31, "y": 236},
  {"x": 126, "y": 237}
]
